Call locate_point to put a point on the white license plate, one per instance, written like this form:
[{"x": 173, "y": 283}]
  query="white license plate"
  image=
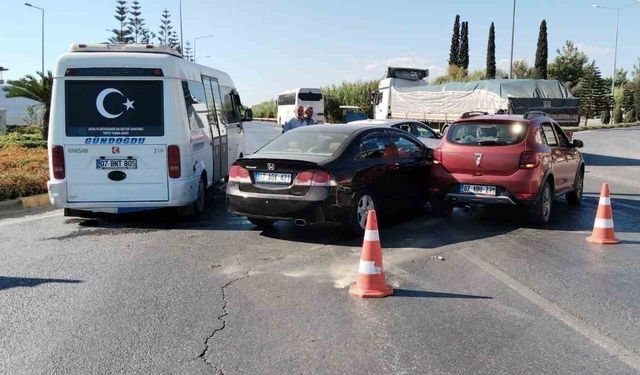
[
  {"x": 273, "y": 178},
  {"x": 116, "y": 164},
  {"x": 478, "y": 189}
]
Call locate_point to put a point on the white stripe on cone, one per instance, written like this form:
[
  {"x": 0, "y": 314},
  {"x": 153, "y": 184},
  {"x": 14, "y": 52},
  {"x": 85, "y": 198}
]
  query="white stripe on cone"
[
  {"x": 603, "y": 223},
  {"x": 605, "y": 201},
  {"x": 369, "y": 268},
  {"x": 371, "y": 235}
]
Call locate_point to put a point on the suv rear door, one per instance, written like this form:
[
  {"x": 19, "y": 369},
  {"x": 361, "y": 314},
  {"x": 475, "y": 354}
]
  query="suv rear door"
[{"x": 476, "y": 148}]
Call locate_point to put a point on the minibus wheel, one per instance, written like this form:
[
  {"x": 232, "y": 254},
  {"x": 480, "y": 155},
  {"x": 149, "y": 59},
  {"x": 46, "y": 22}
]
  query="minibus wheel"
[{"x": 199, "y": 203}]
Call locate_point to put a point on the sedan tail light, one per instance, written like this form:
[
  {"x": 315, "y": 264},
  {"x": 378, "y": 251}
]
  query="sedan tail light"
[
  {"x": 314, "y": 178},
  {"x": 239, "y": 175},
  {"x": 528, "y": 160},
  {"x": 57, "y": 161}
]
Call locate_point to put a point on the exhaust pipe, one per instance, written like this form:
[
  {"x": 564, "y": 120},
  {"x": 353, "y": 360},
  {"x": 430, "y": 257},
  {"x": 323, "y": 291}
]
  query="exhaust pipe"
[{"x": 300, "y": 222}]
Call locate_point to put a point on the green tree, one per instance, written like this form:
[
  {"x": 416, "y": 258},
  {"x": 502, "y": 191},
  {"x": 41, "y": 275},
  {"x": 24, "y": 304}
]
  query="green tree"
[
  {"x": 166, "y": 35},
  {"x": 266, "y": 109},
  {"x": 122, "y": 34},
  {"x": 627, "y": 102},
  {"x": 621, "y": 77},
  {"x": 34, "y": 88},
  {"x": 491, "y": 53},
  {"x": 136, "y": 24},
  {"x": 635, "y": 73},
  {"x": 454, "y": 53},
  {"x": 593, "y": 93},
  {"x": 568, "y": 66},
  {"x": 522, "y": 70},
  {"x": 542, "y": 52},
  {"x": 606, "y": 116},
  {"x": 348, "y": 93},
  {"x": 464, "y": 46}
]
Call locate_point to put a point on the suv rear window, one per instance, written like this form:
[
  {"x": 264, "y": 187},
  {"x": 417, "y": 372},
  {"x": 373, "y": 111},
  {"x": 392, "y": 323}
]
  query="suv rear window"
[
  {"x": 487, "y": 134},
  {"x": 114, "y": 108}
]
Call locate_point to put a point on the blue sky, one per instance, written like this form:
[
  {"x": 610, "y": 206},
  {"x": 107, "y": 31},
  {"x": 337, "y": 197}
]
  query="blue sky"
[{"x": 270, "y": 46}]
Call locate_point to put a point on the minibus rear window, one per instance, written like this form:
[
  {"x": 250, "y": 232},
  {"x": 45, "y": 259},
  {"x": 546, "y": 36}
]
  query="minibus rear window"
[{"x": 114, "y": 108}]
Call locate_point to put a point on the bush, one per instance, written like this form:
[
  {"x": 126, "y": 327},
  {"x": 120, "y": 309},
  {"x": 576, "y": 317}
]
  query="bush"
[
  {"x": 606, "y": 117},
  {"x": 348, "y": 93},
  {"x": 267, "y": 109},
  {"x": 23, "y": 171},
  {"x": 28, "y": 137},
  {"x": 617, "y": 115}
]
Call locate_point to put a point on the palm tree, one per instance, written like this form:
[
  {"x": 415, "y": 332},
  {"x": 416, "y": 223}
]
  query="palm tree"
[{"x": 38, "y": 89}]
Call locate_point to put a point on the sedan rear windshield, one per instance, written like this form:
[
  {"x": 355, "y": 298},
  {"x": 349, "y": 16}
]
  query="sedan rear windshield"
[
  {"x": 305, "y": 143},
  {"x": 487, "y": 134}
]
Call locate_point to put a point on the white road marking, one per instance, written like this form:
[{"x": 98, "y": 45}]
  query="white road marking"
[
  {"x": 30, "y": 218},
  {"x": 592, "y": 333}
]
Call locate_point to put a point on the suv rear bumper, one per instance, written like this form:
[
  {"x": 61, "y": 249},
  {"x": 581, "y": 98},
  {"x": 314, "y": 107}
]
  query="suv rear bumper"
[
  {"x": 521, "y": 187},
  {"x": 478, "y": 199}
]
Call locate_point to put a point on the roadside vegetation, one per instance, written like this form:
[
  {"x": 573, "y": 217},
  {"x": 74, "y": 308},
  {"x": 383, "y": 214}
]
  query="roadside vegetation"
[{"x": 23, "y": 171}]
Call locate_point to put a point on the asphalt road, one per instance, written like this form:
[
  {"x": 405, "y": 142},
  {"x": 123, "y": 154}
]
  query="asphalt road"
[{"x": 152, "y": 294}]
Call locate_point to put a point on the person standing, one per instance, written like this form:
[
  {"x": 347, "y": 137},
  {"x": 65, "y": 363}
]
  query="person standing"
[
  {"x": 295, "y": 122},
  {"x": 308, "y": 116}
]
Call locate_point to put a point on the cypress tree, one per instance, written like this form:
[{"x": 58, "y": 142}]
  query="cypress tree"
[
  {"x": 542, "y": 52},
  {"x": 455, "y": 43},
  {"x": 491, "y": 53},
  {"x": 463, "y": 57}
]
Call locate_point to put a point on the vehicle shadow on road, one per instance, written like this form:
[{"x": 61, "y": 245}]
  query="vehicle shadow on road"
[
  {"x": 427, "y": 294},
  {"x": 8, "y": 282}
]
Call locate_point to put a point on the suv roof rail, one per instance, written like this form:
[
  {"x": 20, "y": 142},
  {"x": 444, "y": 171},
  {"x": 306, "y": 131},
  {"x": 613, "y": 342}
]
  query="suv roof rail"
[
  {"x": 473, "y": 113},
  {"x": 533, "y": 114}
]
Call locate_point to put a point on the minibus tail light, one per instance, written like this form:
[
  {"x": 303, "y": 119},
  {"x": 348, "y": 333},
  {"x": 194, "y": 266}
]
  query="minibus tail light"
[
  {"x": 57, "y": 161},
  {"x": 173, "y": 161}
]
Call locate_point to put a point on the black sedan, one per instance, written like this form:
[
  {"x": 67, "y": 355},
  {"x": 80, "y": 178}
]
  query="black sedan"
[{"x": 330, "y": 173}]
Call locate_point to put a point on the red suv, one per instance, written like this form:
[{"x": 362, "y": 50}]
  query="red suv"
[{"x": 506, "y": 159}]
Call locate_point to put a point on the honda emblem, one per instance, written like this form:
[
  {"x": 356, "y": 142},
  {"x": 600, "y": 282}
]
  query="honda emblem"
[
  {"x": 115, "y": 150},
  {"x": 478, "y": 156},
  {"x": 271, "y": 167}
]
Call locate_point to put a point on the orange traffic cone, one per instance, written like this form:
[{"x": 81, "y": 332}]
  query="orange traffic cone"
[
  {"x": 370, "y": 282},
  {"x": 603, "y": 232}
]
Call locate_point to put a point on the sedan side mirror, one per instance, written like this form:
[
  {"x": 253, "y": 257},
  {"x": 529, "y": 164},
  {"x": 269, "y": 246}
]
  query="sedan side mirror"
[{"x": 577, "y": 143}]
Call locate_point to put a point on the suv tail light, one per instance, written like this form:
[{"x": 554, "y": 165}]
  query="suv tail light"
[
  {"x": 437, "y": 156},
  {"x": 528, "y": 160},
  {"x": 173, "y": 161},
  {"x": 57, "y": 161},
  {"x": 314, "y": 178},
  {"x": 239, "y": 175}
]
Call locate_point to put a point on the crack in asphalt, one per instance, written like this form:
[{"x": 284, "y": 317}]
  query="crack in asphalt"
[{"x": 221, "y": 318}]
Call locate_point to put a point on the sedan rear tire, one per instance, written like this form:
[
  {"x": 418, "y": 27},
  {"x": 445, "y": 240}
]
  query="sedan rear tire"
[{"x": 363, "y": 202}]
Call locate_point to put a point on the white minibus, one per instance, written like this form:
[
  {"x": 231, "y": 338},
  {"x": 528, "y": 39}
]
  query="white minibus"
[
  {"x": 289, "y": 101},
  {"x": 137, "y": 127}
]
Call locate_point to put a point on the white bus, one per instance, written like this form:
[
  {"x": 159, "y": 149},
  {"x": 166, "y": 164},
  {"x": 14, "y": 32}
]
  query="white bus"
[
  {"x": 137, "y": 127},
  {"x": 289, "y": 101}
]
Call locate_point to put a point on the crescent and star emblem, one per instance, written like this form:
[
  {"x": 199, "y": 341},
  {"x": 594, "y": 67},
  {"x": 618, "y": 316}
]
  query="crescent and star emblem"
[{"x": 100, "y": 103}]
